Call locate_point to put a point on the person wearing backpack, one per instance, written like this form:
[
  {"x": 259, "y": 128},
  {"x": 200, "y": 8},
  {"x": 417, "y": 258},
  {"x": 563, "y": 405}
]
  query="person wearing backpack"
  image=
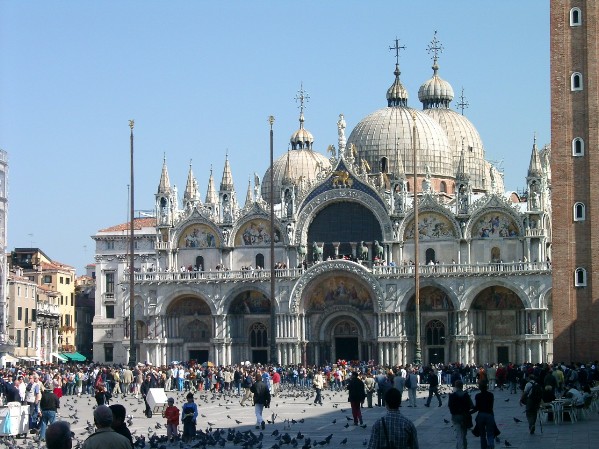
[{"x": 531, "y": 398}]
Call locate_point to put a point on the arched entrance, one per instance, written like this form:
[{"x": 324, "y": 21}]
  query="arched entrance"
[
  {"x": 247, "y": 320},
  {"x": 435, "y": 341},
  {"x": 188, "y": 329},
  {"x": 438, "y": 321},
  {"x": 498, "y": 321},
  {"x": 346, "y": 341},
  {"x": 338, "y": 307}
]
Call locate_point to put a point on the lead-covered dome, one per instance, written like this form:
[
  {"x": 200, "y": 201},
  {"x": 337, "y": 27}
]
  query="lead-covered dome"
[
  {"x": 436, "y": 91},
  {"x": 461, "y": 133},
  {"x": 384, "y": 139}
]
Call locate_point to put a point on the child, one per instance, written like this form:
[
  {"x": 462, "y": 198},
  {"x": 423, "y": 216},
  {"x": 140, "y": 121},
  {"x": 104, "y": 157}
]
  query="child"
[
  {"x": 171, "y": 413},
  {"x": 190, "y": 414}
]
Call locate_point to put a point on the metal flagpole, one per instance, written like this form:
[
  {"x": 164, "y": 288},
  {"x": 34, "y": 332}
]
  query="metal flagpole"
[
  {"x": 132, "y": 351},
  {"x": 273, "y": 302}
]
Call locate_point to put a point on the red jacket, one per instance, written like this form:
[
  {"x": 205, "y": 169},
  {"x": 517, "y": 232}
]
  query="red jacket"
[{"x": 172, "y": 415}]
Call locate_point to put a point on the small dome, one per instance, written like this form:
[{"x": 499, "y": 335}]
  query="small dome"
[
  {"x": 303, "y": 167},
  {"x": 397, "y": 95},
  {"x": 436, "y": 92},
  {"x": 302, "y": 138}
]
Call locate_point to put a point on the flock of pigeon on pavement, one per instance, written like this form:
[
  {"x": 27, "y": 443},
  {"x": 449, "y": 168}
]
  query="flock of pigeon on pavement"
[{"x": 286, "y": 433}]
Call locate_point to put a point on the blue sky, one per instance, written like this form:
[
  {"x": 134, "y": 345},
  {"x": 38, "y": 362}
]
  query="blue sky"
[{"x": 201, "y": 78}]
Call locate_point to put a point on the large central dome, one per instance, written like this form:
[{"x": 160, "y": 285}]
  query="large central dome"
[{"x": 384, "y": 139}]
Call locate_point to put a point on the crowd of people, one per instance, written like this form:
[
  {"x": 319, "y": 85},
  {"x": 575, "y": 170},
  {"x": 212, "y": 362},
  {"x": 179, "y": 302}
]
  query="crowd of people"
[{"x": 41, "y": 388}]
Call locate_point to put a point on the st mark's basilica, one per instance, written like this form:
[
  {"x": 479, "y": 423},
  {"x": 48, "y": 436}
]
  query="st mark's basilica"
[{"x": 344, "y": 251}]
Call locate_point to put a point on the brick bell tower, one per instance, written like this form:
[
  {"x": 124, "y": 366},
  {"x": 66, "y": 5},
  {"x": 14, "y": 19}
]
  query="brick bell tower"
[{"x": 575, "y": 178}]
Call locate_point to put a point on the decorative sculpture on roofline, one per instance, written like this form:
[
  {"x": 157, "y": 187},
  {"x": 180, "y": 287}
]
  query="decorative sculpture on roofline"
[
  {"x": 378, "y": 250},
  {"x": 362, "y": 251},
  {"x": 316, "y": 252},
  {"x": 341, "y": 131}
]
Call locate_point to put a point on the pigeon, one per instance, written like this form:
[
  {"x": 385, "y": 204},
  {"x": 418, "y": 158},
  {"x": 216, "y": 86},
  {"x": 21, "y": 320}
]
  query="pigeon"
[
  {"x": 346, "y": 425},
  {"x": 343, "y": 441},
  {"x": 517, "y": 420},
  {"x": 211, "y": 424},
  {"x": 446, "y": 421},
  {"x": 507, "y": 443},
  {"x": 334, "y": 421},
  {"x": 238, "y": 422},
  {"x": 507, "y": 400}
]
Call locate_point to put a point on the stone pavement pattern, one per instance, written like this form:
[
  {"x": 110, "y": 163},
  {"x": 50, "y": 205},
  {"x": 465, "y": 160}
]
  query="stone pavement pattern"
[{"x": 433, "y": 424}]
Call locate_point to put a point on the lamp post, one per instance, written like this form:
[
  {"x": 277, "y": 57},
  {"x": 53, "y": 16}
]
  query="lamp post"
[
  {"x": 273, "y": 316},
  {"x": 418, "y": 349},
  {"x": 132, "y": 354}
]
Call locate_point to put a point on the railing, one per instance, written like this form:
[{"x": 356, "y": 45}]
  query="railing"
[
  {"x": 513, "y": 268},
  {"x": 535, "y": 233},
  {"x": 498, "y": 269},
  {"x": 43, "y": 307}
]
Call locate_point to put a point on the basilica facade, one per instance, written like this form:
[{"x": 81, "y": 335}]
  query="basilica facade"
[{"x": 344, "y": 249}]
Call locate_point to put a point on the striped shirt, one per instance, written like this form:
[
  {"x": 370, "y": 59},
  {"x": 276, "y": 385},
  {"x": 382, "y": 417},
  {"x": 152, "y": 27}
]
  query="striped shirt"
[{"x": 401, "y": 432}]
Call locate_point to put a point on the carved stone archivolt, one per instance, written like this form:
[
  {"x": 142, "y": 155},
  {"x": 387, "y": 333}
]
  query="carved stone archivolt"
[
  {"x": 336, "y": 266},
  {"x": 321, "y": 326},
  {"x": 328, "y": 197}
]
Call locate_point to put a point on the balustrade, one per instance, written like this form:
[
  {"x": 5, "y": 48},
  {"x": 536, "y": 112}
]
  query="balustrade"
[{"x": 457, "y": 270}]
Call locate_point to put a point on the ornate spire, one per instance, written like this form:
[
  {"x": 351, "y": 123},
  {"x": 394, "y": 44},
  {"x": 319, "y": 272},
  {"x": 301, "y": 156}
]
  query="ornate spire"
[
  {"x": 535, "y": 168},
  {"x": 191, "y": 194},
  {"x": 227, "y": 180},
  {"x": 249, "y": 199},
  {"x": 287, "y": 178},
  {"x": 211, "y": 196},
  {"x": 397, "y": 95},
  {"x": 164, "y": 187},
  {"x": 461, "y": 174}
]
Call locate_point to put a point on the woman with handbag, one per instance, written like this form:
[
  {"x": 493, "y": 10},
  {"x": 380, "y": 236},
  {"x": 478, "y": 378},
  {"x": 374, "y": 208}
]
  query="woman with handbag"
[{"x": 460, "y": 404}]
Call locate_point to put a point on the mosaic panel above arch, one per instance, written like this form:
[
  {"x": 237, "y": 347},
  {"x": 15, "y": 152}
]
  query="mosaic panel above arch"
[
  {"x": 431, "y": 299},
  {"x": 337, "y": 290},
  {"x": 256, "y": 232},
  {"x": 188, "y": 306},
  {"x": 250, "y": 302},
  {"x": 497, "y": 298},
  {"x": 494, "y": 225},
  {"x": 198, "y": 236},
  {"x": 431, "y": 226}
]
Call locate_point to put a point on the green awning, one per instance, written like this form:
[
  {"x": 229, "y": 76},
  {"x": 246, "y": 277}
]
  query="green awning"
[
  {"x": 74, "y": 356},
  {"x": 60, "y": 357}
]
